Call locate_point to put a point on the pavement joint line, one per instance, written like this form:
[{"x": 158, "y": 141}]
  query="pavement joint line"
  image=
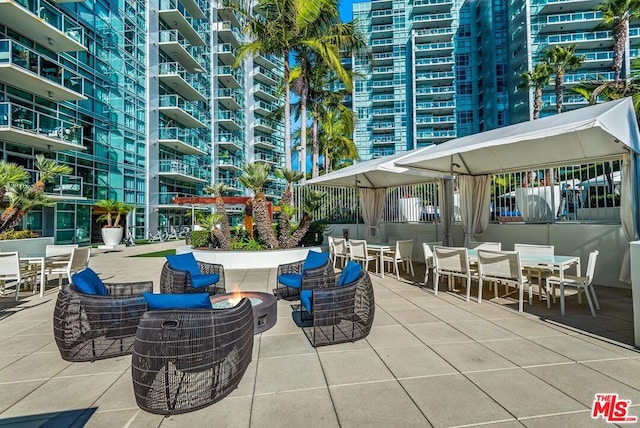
[
  {"x": 130, "y": 421},
  {"x": 118, "y": 410},
  {"x": 286, "y": 391},
  {"x": 368, "y": 382},
  {"x": 466, "y": 372},
  {"x": 533, "y": 366},
  {"x": 568, "y": 412},
  {"x": 498, "y": 421}
]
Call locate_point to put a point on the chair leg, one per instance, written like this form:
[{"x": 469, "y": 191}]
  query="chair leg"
[
  {"x": 411, "y": 267},
  {"x": 480, "y": 290},
  {"x": 436, "y": 279},
  {"x": 548, "y": 290},
  {"x": 593, "y": 292},
  {"x": 396, "y": 268},
  {"x": 521, "y": 298},
  {"x": 562, "y": 298},
  {"x": 593, "y": 312}
]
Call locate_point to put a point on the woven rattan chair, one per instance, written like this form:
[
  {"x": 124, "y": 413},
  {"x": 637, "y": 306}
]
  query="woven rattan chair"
[
  {"x": 336, "y": 313},
  {"x": 91, "y": 327},
  {"x": 180, "y": 281},
  {"x": 293, "y": 277},
  {"x": 187, "y": 359}
]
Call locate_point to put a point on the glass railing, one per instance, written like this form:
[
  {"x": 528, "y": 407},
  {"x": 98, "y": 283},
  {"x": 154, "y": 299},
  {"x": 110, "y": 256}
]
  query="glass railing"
[
  {"x": 387, "y": 27},
  {"x": 25, "y": 119},
  {"x": 235, "y": 161},
  {"x": 431, "y": 2},
  {"x": 435, "y": 119},
  {"x": 226, "y": 48},
  {"x": 266, "y": 123},
  {"x": 383, "y": 70},
  {"x": 433, "y": 17},
  {"x": 378, "y": 42},
  {"x": 435, "y": 60},
  {"x": 383, "y": 111},
  {"x": 233, "y": 116},
  {"x": 578, "y": 37},
  {"x": 436, "y": 134},
  {"x": 233, "y": 183},
  {"x": 228, "y": 70},
  {"x": 226, "y": 26},
  {"x": 65, "y": 185},
  {"x": 266, "y": 140},
  {"x": 433, "y": 46},
  {"x": 383, "y": 125},
  {"x": 379, "y": 13},
  {"x": 265, "y": 105},
  {"x": 174, "y": 68},
  {"x": 579, "y": 77},
  {"x": 434, "y": 31},
  {"x": 180, "y": 167},
  {"x": 382, "y": 83},
  {"x": 435, "y": 75},
  {"x": 436, "y": 104},
  {"x": 598, "y": 56},
  {"x": 19, "y": 55},
  {"x": 266, "y": 89},
  {"x": 230, "y": 138},
  {"x": 434, "y": 90},
  {"x": 50, "y": 15},
  {"x": 384, "y": 55},
  {"x": 230, "y": 93},
  {"x": 381, "y": 153},
  {"x": 385, "y": 97},
  {"x": 186, "y": 136},
  {"x": 268, "y": 73},
  {"x": 573, "y": 17},
  {"x": 189, "y": 107}
]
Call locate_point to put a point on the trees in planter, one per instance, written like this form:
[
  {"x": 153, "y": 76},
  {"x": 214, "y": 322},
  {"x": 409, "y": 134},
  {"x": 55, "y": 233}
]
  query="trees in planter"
[
  {"x": 112, "y": 230},
  {"x": 223, "y": 234}
]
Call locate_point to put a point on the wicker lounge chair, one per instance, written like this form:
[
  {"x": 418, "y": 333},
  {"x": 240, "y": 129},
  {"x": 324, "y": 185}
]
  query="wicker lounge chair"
[
  {"x": 203, "y": 278},
  {"x": 341, "y": 310},
  {"x": 187, "y": 359},
  {"x": 309, "y": 273},
  {"x": 91, "y": 327}
]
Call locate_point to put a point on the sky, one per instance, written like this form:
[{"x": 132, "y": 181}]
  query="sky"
[{"x": 345, "y": 10}]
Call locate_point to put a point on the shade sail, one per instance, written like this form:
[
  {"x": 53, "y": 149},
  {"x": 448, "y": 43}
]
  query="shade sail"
[
  {"x": 377, "y": 173},
  {"x": 598, "y": 132}
]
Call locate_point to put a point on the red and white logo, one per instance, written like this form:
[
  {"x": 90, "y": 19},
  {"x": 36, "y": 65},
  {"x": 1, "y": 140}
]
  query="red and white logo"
[{"x": 612, "y": 409}]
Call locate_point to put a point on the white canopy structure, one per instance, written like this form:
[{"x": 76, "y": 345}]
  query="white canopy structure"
[{"x": 600, "y": 132}]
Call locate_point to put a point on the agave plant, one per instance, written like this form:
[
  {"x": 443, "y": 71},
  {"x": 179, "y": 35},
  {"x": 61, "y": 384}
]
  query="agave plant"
[{"x": 223, "y": 235}]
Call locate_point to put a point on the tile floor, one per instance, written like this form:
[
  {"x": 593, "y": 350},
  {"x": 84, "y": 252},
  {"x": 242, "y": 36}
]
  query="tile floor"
[{"x": 429, "y": 361}]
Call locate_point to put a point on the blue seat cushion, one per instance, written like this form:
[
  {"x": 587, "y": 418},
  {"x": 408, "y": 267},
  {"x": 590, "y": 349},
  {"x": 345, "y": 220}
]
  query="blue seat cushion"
[
  {"x": 185, "y": 262},
  {"x": 293, "y": 280},
  {"x": 159, "y": 302},
  {"x": 315, "y": 259},
  {"x": 350, "y": 273},
  {"x": 199, "y": 281},
  {"x": 306, "y": 297},
  {"x": 87, "y": 282}
]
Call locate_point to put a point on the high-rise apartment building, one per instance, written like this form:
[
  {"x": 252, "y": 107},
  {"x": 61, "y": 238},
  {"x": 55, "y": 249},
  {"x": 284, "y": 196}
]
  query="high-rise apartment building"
[
  {"x": 139, "y": 98},
  {"x": 449, "y": 68}
]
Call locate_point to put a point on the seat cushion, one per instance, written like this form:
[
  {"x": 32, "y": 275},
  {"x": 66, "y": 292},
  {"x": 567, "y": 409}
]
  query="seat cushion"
[
  {"x": 315, "y": 259},
  {"x": 293, "y": 280},
  {"x": 350, "y": 273},
  {"x": 306, "y": 297},
  {"x": 159, "y": 302},
  {"x": 185, "y": 262},
  {"x": 87, "y": 282},
  {"x": 199, "y": 281}
]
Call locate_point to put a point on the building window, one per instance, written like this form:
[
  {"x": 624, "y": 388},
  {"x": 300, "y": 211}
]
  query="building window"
[{"x": 465, "y": 117}]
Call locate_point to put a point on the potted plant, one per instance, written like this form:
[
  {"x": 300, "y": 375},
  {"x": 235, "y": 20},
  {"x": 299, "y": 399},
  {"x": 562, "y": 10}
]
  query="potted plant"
[{"x": 112, "y": 230}]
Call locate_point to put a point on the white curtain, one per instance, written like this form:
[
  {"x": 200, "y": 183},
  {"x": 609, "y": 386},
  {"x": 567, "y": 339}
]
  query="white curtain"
[
  {"x": 626, "y": 216},
  {"x": 372, "y": 205},
  {"x": 475, "y": 196},
  {"x": 445, "y": 195}
]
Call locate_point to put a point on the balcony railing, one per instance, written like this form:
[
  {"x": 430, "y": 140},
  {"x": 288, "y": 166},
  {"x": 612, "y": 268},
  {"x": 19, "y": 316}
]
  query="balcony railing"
[
  {"x": 182, "y": 168},
  {"x": 186, "y": 136},
  {"x": 190, "y": 108}
]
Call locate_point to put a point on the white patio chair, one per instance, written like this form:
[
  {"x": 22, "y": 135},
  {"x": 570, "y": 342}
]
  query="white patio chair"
[
  {"x": 490, "y": 246},
  {"x": 358, "y": 252},
  {"x": 10, "y": 271},
  {"x": 78, "y": 261},
  {"x": 57, "y": 258},
  {"x": 539, "y": 272},
  {"x": 502, "y": 267},
  {"x": 340, "y": 251},
  {"x": 173, "y": 233},
  {"x": 402, "y": 253},
  {"x": 452, "y": 262},
  {"x": 582, "y": 283}
]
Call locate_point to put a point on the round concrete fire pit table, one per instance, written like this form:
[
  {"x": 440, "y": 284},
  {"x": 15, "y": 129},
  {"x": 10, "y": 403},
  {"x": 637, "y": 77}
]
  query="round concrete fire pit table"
[{"x": 264, "y": 305}]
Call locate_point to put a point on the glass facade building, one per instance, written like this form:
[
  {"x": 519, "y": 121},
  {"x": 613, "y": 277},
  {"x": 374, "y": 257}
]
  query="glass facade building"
[{"x": 139, "y": 98}]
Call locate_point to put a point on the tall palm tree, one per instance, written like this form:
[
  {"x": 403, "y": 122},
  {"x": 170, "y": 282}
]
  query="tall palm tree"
[
  {"x": 11, "y": 173},
  {"x": 281, "y": 27},
  {"x": 562, "y": 59},
  {"x": 616, "y": 15},
  {"x": 311, "y": 204},
  {"x": 49, "y": 169},
  {"x": 22, "y": 198},
  {"x": 255, "y": 175},
  {"x": 222, "y": 235},
  {"x": 337, "y": 123},
  {"x": 286, "y": 203},
  {"x": 537, "y": 79}
]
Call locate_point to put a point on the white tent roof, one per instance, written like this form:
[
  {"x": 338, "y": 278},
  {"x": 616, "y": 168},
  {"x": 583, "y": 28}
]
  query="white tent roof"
[
  {"x": 376, "y": 173},
  {"x": 580, "y": 136}
]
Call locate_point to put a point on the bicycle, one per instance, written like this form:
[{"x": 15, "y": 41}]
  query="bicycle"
[{"x": 129, "y": 240}]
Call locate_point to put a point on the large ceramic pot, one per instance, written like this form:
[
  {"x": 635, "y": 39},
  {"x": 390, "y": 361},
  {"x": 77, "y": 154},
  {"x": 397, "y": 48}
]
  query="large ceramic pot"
[{"x": 112, "y": 235}]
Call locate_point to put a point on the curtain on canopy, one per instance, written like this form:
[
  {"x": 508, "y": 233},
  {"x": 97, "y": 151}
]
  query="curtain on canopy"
[
  {"x": 626, "y": 215},
  {"x": 372, "y": 205},
  {"x": 475, "y": 196},
  {"x": 445, "y": 196}
]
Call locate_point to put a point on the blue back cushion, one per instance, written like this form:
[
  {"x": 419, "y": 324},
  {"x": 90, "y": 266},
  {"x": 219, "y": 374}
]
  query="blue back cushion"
[
  {"x": 87, "y": 282},
  {"x": 315, "y": 260},
  {"x": 350, "y": 273},
  {"x": 186, "y": 262},
  {"x": 159, "y": 302}
]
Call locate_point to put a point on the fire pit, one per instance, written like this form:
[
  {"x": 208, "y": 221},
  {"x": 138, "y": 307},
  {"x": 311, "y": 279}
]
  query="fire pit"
[{"x": 264, "y": 307}]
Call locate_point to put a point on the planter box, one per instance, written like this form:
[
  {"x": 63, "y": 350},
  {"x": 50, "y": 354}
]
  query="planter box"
[
  {"x": 28, "y": 246},
  {"x": 538, "y": 204},
  {"x": 604, "y": 213},
  {"x": 249, "y": 259}
]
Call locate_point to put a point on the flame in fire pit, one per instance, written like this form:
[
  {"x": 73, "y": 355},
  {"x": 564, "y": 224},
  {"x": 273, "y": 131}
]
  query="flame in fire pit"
[{"x": 235, "y": 298}]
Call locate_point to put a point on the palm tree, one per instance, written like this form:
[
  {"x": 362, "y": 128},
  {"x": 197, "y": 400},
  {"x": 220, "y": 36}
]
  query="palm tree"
[
  {"x": 22, "y": 198},
  {"x": 286, "y": 205},
  {"x": 616, "y": 14},
  {"x": 49, "y": 169},
  {"x": 537, "y": 79},
  {"x": 255, "y": 175},
  {"x": 336, "y": 139},
  {"x": 222, "y": 235},
  {"x": 311, "y": 204},
  {"x": 560, "y": 60},
  {"x": 11, "y": 173}
]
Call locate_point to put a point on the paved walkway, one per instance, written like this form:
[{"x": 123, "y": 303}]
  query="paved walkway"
[{"x": 429, "y": 361}]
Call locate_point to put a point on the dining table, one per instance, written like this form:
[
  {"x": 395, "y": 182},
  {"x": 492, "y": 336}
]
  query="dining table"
[
  {"x": 39, "y": 261},
  {"x": 379, "y": 248}
]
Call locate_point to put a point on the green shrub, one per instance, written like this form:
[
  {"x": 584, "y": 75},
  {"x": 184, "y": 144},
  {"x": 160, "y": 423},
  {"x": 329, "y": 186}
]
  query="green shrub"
[
  {"x": 18, "y": 234},
  {"x": 200, "y": 239},
  {"x": 315, "y": 234}
]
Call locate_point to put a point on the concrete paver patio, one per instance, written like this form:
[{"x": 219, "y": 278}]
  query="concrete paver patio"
[{"x": 429, "y": 361}]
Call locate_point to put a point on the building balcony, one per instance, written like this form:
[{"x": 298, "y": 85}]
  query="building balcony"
[
  {"x": 383, "y": 126},
  {"x": 577, "y": 78},
  {"x": 562, "y": 6},
  {"x": 381, "y": 4},
  {"x": 274, "y": 190},
  {"x": 272, "y": 158},
  {"x": 175, "y": 47},
  {"x": 433, "y": 35},
  {"x": 230, "y": 163},
  {"x": 438, "y": 63},
  {"x": 384, "y": 16},
  {"x": 380, "y": 45},
  {"x": 230, "y": 77},
  {"x": 174, "y": 19},
  {"x": 265, "y": 125},
  {"x": 229, "y": 141},
  {"x": 24, "y": 68},
  {"x": 434, "y": 49},
  {"x": 65, "y": 187},
  {"x": 233, "y": 184},
  {"x": 378, "y": 153},
  {"x": 549, "y": 101},
  {"x": 385, "y": 30},
  {"x": 266, "y": 76},
  {"x": 383, "y": 99},
  {"x": 182, "y": 140},
  {"x": 447, "y": 120},
  {"x": 227, "y": 13},
  {"x": 583, "y": 40},
  {"x": 66, "y": 1},
  {"x": 229, "y": 99},
  {"x": 383, "y": 140},
  {"x": 567, "y": 22},
  {"x": 27, "y": 127},
  {"x": 229, "y": 120},
  {"x": 598, "y": 59},
  {"x": 432, "y": 20},
  {"x": 226, "y": 53},
  {"x": 264, "y": 108},
  {"x": 439, "y": 93},
  {"x": 433, "y": 135},
  {"x": 383, "y": 58},
  {"x": 436, "y": 107},
  {"x": 383, "y": 72},
  {"x": 268, "y": 93},
  {"x": 268, "y": 143},
  {"x": 267, "y": 61},
  {"x": 432, "y": 6},
  {"x": 180, "y": 170},
  {"x": 181, "y": 82},
  {"x": 182, "y": 111},
  {"x": 44, "y": 24},
  {"x": 634, "y": 35},
  {"x": 228, "y": 33},
  {"x": 193, "y": 8},
  {"x": 383, "y": 112},
  {"x": 382, "y": 84},
  {"x": 443, "y": 77}
]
